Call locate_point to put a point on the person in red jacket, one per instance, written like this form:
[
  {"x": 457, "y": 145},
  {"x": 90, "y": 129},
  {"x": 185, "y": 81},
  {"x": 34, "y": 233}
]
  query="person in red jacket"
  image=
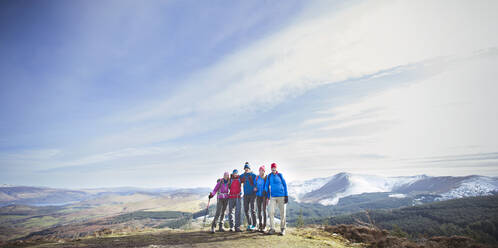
[{"x": 234, "y": 202}]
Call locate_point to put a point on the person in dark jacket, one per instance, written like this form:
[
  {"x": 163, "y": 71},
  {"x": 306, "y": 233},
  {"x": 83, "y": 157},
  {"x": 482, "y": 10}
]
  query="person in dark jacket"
[
  {"x": 261, "y": 198},
  {"x": 248, "y": 179},
  {"x": 221, "y": 189},
  {"x": 277, "y": 188}
]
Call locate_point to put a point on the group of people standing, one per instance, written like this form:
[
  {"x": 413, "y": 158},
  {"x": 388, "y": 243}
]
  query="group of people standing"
[{"x": 258, "y": 190}]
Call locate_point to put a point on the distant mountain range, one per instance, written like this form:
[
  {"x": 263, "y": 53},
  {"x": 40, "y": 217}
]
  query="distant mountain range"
[
  {"x": 330, "y": 190},
  {"x": 43, "y": 196},
  {"x": 325, "y": 191}
]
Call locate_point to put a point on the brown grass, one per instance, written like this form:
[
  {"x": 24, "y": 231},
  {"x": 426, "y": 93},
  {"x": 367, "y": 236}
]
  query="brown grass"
[{"x": 378, "y": 238}]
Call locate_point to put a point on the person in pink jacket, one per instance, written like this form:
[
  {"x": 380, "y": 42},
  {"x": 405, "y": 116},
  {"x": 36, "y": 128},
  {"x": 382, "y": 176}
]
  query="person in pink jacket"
[{"x": 221, "y": 189}]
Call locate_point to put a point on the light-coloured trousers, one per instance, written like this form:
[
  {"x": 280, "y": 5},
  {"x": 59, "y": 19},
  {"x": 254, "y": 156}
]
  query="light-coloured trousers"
[{"x": 280, "y": 203}]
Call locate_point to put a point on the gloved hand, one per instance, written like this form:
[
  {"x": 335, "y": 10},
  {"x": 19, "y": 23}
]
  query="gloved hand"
[
  {"x": 211, "y": 195},
  {"x": 286, "y": 199}
]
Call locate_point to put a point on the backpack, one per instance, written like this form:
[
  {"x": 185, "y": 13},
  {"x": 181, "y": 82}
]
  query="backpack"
[
  {"x": 264, "y": 178},
  {"x": 280, "y": 175},
  {"x": 230, "y": 181},
  {"x": 221, "y": 179},
  {"x": 250, "y": 180}
]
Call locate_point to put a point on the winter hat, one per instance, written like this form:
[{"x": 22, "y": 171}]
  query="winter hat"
[
  {"x": 262, "y": 168},
  {"x": 226, "y": 174},
  {"x": 273, "y": 165},
  {"x": 246, "y": 166},
  {"x": 235, "y": 171}
]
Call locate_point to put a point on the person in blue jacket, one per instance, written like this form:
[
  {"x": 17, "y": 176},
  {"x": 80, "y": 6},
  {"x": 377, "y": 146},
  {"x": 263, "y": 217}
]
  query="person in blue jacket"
[
  {"x": 261, "y": 198},
  {"x": 277, "y": 189},
  {"x": 248, "y": 179}
]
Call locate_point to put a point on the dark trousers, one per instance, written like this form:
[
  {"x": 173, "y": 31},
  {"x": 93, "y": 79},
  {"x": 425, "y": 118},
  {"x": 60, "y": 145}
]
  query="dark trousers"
[
  {"x": 261, "y": 203},
  {"x": 221, "y": 206},
  {"x": 249, "y": 201}
]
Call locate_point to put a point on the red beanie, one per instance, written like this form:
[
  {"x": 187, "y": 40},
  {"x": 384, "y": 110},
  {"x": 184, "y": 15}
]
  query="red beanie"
[{"x": 273, "y": 165}]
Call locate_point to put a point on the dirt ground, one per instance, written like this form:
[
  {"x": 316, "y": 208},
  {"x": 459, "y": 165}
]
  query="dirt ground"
[{"x": 308, "y": 237}]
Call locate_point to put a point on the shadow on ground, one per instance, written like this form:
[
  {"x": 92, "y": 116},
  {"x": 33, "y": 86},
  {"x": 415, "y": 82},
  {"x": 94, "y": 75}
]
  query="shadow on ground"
[{"x": 162, "y": 239}]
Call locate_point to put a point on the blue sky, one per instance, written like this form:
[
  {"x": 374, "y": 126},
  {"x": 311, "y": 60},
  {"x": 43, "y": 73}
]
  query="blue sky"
[{"x": 174, "y": 93}]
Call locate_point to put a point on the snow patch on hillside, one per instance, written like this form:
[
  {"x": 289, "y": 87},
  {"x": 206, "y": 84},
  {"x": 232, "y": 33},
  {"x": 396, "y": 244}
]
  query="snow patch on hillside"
[
  {"x": 6, "y": 185},
  {"x": 397, "y": 195},
  {"x": 297, "y": 189},
  {"x": 475, "y": 186},
  {"x": 397, "y": 182},
  {"x": 359, "y": 184}
]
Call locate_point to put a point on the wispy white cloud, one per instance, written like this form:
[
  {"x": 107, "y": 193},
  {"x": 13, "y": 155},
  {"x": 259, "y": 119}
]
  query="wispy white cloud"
[
  {"x": 29, "y": 155},
  {"x": 319, "y": 49},
  {"x": 322, "y": 47},
  {"x": 446, "y": 114}
]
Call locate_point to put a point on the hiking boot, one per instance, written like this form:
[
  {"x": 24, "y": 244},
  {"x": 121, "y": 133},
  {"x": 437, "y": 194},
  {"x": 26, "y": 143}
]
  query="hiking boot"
[
  {"x": 283, "y": 232},
  {"x": 221, "y": 229},
  {"x": 213, "y": 229},
  {"x": 238, "y": 229},
  {"x": 231, "y": 229},
  {"x": 271, "y": 232},
  {"x": 248, "y": 228}
]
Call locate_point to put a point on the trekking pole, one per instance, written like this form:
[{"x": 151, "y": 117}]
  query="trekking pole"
[{"x": 205, "y": 216}]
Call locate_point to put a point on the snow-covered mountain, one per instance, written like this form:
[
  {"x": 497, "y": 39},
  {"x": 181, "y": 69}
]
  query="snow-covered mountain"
[
  {"x": 328, "y": 191},
  {"x": 297, "y": 189}
]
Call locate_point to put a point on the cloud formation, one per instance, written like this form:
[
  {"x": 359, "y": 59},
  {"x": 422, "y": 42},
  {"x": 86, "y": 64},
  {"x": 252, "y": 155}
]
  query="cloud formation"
[{"x": 356, "y": 86}]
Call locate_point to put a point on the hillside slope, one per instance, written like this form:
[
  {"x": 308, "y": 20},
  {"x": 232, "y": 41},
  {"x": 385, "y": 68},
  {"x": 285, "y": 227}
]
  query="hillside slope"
[{"x": 475, "y": 217}]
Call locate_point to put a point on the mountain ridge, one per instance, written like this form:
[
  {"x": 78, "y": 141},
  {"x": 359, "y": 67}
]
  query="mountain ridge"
[
  {"x": 324, "y": 190},
  {"x": 345, "y": 184}
]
